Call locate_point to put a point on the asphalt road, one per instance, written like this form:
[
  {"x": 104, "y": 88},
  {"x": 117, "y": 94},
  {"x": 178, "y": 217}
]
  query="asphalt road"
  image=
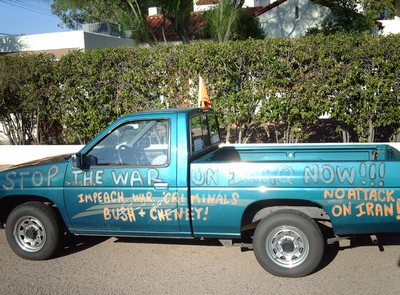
[{"x": 149, "y": 266}]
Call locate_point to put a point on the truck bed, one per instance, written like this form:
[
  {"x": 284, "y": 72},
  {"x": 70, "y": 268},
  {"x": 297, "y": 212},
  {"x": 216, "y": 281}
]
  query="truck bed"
[
  {"x": 265, "y": 153},
  {"x": 354, "y": 184}
]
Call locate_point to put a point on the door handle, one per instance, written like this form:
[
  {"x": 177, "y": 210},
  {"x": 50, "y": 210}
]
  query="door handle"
[{"x": 161, "y": 185}]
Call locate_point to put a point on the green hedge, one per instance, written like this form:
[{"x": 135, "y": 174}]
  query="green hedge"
[{"x": 273, "y": 89}]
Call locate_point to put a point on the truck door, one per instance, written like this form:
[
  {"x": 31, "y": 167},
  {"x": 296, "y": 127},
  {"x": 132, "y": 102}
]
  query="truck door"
[{"x": 123, "y": 182}]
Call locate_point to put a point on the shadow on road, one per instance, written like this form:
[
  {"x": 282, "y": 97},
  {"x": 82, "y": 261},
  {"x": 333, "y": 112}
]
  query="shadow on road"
[
  {"x": 73, "y": 244},
  {"x": 168, "y": 241},
  {"x": 380, "y": 242},
  {"x": 331, "y": 251}
]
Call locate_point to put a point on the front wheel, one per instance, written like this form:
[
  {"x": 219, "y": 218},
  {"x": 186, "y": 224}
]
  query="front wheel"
[
  {"x": 288, "y": 243},
  {"x": 32, "y": 231}
]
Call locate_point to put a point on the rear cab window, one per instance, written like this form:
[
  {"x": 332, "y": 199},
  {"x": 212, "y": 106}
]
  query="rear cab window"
[{"x": 204, "y": 133}]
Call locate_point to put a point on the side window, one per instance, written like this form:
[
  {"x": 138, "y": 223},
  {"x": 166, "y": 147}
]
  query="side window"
[
  {"x": 139, "y": 143},
  {"x": 204, "y": 132}
]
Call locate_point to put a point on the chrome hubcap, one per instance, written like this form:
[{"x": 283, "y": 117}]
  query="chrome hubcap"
[
  {"x": 30, "y": 234},
  {"x": 287, "y": 246}
]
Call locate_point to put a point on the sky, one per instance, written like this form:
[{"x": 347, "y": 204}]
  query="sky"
[{"x": 27, "y": 17}]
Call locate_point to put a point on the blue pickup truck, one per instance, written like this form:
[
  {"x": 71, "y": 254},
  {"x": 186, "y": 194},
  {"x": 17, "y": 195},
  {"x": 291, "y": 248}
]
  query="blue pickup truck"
[{"x": 165, "y": 173}]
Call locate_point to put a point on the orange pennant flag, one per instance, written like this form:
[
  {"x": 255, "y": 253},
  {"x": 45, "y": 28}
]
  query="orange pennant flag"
[{"x": 204, "y": 99}]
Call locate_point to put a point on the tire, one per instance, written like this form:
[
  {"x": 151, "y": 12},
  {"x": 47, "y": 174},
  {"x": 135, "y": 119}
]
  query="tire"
[
  {"x": 288, "y": 243},
  {"x": 32, "y": 231}
]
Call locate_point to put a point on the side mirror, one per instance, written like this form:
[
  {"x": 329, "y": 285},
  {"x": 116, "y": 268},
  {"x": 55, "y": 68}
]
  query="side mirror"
[
  {"x": 89, "y": 160},
  {"x": 82, "y": 161},
  {"x": 76, "y": 160}
]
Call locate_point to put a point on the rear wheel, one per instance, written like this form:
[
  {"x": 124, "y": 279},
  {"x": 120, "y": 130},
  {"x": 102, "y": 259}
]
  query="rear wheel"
[
  {"x": 32, "y": 231},
  {"x": 288, "y": 243}
]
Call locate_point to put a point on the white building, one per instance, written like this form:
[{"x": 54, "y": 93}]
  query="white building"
[
  {"x": 293, "y": 18},
  {"x": 201, "y": 5},
  {"x": 279, "y": 18},
  {"x": 61, "y": 43},
  {"x": 391, "y": 26}
]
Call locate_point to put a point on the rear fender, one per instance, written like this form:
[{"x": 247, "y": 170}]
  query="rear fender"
[{"x": 314, "y": 212}]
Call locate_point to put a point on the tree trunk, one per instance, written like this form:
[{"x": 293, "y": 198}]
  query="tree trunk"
[
  {"x": 346, "y": 136},
  {"x": 371, "y": 131},
  {"x": 240, "y": 136},
  {"x": 228, "y": 135}
]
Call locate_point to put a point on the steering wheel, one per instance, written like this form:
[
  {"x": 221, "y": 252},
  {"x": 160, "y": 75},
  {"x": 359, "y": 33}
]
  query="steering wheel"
[{"x": 126, "y": 156}]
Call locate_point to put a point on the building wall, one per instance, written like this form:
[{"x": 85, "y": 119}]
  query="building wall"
[
  {"x": 254, "y": 3},
  {"x": 247, "y": 3},
  {"x": 92, "y": 41},
  {"x": 51, "y": 41},
  {"x": 292, "y": 18},
  {"x": 203, "y": 7},
  {"x": 11, "y": 44},
  {"x": 390, "y": 26}
]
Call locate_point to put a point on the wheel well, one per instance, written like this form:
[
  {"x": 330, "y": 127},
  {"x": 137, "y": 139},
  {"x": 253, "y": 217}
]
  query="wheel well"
[
  {"x": 257, "y": 211},
  {"x": 9, "y": 203}
]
